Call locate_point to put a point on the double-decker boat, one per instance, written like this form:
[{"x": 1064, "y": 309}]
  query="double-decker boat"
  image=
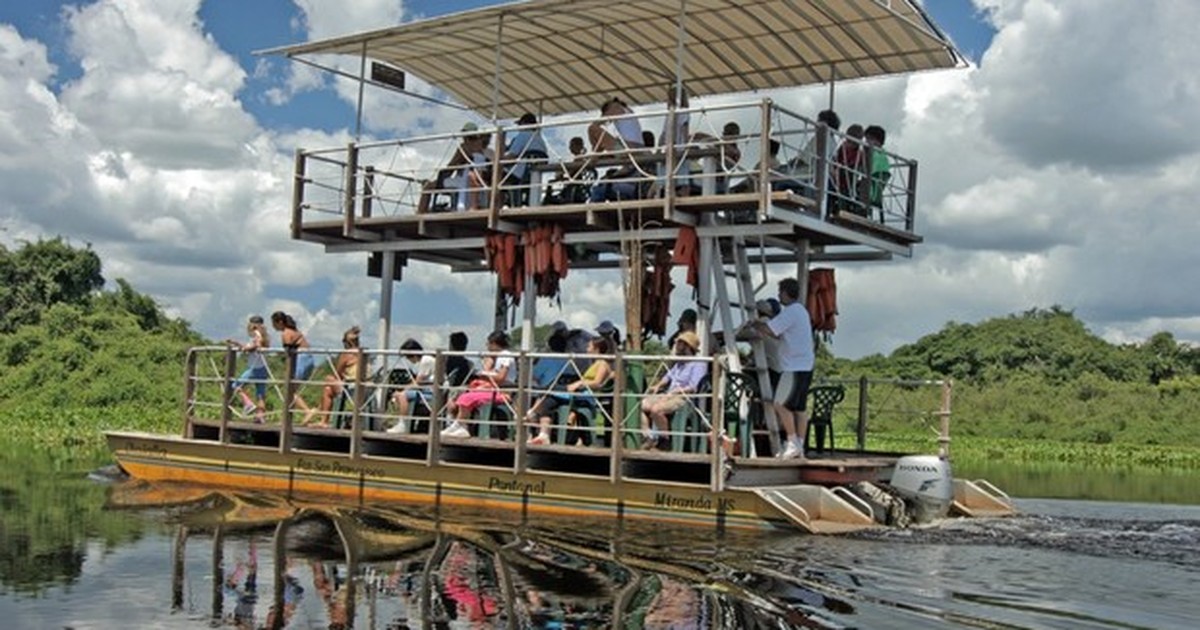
[{"x": 730, "y": 188}]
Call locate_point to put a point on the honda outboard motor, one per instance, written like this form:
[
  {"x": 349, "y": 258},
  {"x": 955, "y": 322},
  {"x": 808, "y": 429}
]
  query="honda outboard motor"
[{"x": 925, "y": 483}]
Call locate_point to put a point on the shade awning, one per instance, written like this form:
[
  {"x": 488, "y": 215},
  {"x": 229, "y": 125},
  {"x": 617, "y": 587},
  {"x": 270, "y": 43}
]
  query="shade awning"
[{"x": 563, "y": 56}]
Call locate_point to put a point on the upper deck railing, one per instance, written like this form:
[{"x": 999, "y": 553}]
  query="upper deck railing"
[{"x": 774, "y": 162}]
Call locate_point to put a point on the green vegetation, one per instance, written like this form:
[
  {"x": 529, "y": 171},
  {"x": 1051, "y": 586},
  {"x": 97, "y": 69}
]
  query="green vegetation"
[
  {"x": 75, "y": 360},
  {"x": 1041, "y": 379}
]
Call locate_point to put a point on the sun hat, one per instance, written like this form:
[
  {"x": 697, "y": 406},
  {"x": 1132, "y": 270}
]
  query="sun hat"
[{"x": 690, "y": 339}]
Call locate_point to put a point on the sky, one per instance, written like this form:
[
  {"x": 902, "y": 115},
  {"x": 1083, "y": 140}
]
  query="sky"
[{"x": 1062, "y": 167}]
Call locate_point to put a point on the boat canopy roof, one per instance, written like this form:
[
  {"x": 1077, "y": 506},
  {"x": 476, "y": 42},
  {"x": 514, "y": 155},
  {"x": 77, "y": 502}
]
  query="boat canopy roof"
[{"x": 565, "y": 56}]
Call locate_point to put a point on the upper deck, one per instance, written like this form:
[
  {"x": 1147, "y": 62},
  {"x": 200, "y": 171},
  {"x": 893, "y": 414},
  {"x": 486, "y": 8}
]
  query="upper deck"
[
  {"x": 401, "y": 196},
  {"x": 559, "y": 57}
]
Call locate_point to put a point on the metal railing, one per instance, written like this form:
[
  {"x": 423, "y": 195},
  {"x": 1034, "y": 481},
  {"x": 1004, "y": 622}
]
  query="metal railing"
[
  {"x": 360, "y": 404},
  {"x": 771, "y": 149}
]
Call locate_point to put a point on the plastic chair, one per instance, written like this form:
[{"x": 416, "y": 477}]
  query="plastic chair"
[
  {"x": 824, "y": 399},
  {"x": 687, "y": 420},
  {"x": 738, "y": 417}
]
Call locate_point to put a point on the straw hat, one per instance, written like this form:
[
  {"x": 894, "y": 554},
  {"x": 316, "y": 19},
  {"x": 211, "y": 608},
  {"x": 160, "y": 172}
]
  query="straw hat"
[{"x": 690, "y": 339}]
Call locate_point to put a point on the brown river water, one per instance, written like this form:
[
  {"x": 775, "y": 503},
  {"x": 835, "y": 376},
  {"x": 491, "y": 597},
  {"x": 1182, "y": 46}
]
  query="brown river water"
[{"x": 82, "y": 551}]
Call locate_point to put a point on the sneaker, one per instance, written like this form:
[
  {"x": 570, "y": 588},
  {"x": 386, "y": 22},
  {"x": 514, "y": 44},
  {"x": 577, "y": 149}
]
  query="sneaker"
[
  {"x": 799, "y": 442},
  {"x": 456, "y": 430},
  {"x": 791, "y": 451},
  {"x": 401, "y": 426},
  {"x": 539, "y": 440}
]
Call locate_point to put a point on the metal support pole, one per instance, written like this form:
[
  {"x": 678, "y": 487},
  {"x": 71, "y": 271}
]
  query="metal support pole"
[
  {"x": 227, "y": 393},
  {"x": 528, "y": 311},
  {"x": 944, "y": 413},
  {"x": 499, "y": 69},
  {"x": 861, "y": 429},
  {"x": 356, "y": 418},
  {"x": 385, "y": 299},
  {"x": 362, "y": 84},
  {"x": 189, "y": 394},
  {"x": 705, "y": 290},
  {"x": 802, "y": 254}
]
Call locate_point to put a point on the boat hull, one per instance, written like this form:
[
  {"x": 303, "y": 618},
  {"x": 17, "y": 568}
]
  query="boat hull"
[{"x": 368, "y": 480}]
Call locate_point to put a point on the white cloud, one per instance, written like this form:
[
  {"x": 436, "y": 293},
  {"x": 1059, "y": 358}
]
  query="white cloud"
[{"x": 148, "y": 68}]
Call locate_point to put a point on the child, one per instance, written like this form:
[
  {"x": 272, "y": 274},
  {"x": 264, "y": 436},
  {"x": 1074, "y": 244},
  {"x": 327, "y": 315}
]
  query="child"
[{"x": 256, "y": 368}]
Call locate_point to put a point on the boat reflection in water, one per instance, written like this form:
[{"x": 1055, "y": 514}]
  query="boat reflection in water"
[{"x": 278, "y": 562}]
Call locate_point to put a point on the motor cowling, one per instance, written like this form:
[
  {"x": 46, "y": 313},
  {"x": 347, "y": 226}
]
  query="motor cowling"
[{"x": 925, "y": 483}]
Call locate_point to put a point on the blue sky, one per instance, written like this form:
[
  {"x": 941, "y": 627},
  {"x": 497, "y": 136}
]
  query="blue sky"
[{"x": 1051, "y": 170}]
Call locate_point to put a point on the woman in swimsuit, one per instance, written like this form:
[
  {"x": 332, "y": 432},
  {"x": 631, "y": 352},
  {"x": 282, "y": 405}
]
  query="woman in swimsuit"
[
  {"x": 293, "y": 342},
  {"x": 345, "y": 369}
]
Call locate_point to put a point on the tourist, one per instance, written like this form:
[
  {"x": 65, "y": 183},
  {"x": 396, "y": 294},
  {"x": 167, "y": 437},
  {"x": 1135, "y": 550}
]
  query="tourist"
[
  {"x": 346, "y": 370},
  {"x": 793, "y": 328},
  {"x": 293, "y": 342},
  {"x": 418, "y": 390},
  {"x": 499, "y": 372},
  {"x": 256, "y": 368},
  {"x": 671, "y": 392}
]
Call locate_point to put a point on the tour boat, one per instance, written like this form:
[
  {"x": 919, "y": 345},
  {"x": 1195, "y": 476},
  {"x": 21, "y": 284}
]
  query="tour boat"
[{"x": 731, "y": 188}]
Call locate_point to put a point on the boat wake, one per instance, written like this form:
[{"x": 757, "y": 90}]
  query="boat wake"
[{"x": 1176, "y": 541}]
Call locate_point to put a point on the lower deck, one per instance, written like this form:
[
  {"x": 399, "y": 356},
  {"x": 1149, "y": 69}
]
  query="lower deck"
[{"x": 835, "y": 467}]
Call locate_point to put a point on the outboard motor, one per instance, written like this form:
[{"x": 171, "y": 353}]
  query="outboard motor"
[{"x": 925, "y": 483}]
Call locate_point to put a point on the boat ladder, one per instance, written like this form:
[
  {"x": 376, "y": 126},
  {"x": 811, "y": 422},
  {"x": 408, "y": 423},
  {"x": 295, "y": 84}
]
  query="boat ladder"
[{"x": 819, "y": 510}]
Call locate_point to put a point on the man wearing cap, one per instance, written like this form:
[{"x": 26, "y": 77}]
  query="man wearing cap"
[
  {"x": 462, "y": 172},
  {"x": 793, "y": 328},
  {"x": 671, "y": 392},
  {"x": 686, "y": 323},
  {"x": 768, "y": 309},
  {"x": 610, "y": 330}
]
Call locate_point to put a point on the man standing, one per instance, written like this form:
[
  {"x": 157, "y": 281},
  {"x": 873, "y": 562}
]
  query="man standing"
[{"x": 793, "y": 328}]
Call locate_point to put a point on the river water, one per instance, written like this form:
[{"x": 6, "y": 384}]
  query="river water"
[{"x": 81, "y": 553}]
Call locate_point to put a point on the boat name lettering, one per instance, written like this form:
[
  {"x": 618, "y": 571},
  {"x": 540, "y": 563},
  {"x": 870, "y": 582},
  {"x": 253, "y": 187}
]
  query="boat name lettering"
[
  {"x": 919, "y": 468},
  {"x": 146, "y": 448},
  {"x": 337, "y": 468},
  {"x": 516, "y": 486},
  {"x": 702, "y": 502}
]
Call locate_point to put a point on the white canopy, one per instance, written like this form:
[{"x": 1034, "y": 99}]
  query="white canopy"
[{"x": 562, "y": 56}]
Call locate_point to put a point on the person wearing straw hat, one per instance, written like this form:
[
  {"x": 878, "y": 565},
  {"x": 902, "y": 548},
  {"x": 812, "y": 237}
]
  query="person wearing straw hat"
[{"x": 671, "y": 392}]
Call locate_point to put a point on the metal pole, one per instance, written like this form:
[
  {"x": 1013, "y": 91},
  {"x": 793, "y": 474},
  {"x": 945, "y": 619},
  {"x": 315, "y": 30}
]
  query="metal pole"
[
  {"x": 385, "y": 299},
  {"x": 944, "y": 436},
  {"x": 362, "y": 84},
  {"x": 679, "y": 51},
  {"x": 496, "y": 75},
  {"x": 862, "y": 413},
  {"x": 832, "y": 83}
]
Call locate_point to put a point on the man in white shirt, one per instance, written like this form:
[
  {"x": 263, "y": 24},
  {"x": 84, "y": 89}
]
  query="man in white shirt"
[
  {"x": 793, "y": 328},
  {"x": 418, "y": 389}
]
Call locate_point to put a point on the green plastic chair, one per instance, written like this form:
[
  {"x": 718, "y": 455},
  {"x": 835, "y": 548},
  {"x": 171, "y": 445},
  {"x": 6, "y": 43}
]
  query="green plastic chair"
[{"x": 820, "y": 420}]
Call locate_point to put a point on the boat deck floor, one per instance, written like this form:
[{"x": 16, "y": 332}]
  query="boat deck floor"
[{"x": 829, "y": 467}]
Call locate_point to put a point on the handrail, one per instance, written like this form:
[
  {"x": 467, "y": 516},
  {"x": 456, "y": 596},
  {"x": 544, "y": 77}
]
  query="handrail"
[
  {"x": 204, "y": 392},
  {"x": 400, "y": 169}
]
